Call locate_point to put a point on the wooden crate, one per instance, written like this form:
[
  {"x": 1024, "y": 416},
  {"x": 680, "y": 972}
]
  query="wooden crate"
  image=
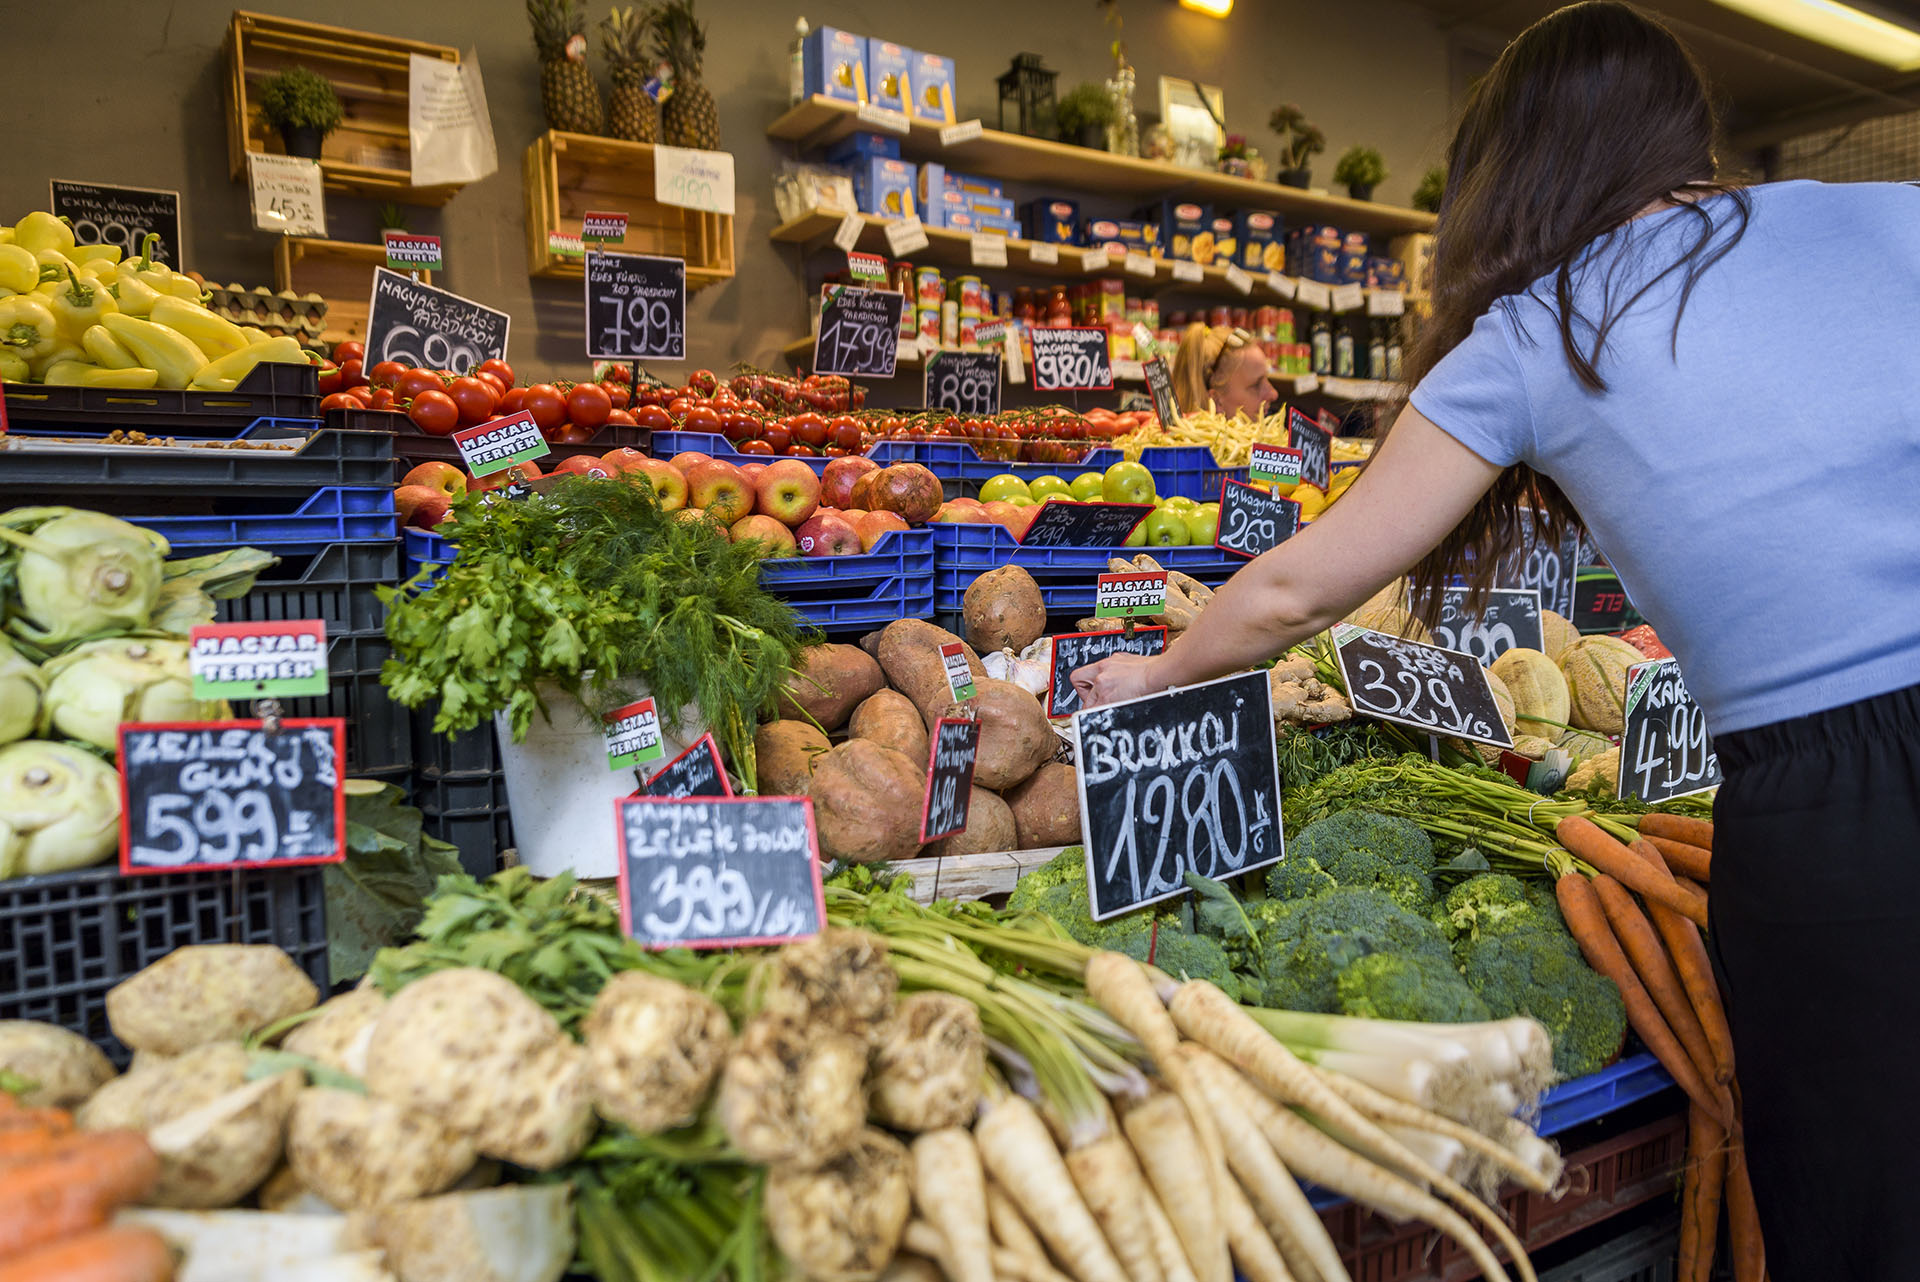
[
  {"x": 569, "y": 174},
  {"x": 990, "y": 875},
  {"x": 339, "y": 271},
  {"x": 370, "y": 154}
]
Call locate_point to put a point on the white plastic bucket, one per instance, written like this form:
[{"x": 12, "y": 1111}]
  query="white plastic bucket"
[{"x": 561, "y": 791}]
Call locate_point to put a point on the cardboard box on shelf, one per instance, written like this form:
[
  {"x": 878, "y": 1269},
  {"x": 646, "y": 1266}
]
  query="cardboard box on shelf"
[
  {"x": 834, "y": 63},
  {"x": 1052, "y": 219},
  {"x": 1259, "y": 233},
  {"x": 885, "y": 187},
  {"x": 889, "y": 67},
  {"x": 932, "y": 89}
]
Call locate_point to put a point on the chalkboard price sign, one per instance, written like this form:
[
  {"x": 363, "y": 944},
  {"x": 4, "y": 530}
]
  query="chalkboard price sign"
[
  {"x": 956, "y": 746},
  {"x": 1665, "y": 750},
  {"x": 1076, "y": 650},
  {"x": 120, "y": 216},
  {"x": 1253, "y": 521},
  {"x": 419, "y": 325},
  {"x": 1179, "y": 782},
  {"x": 1315, "y": 446},
  {"x": 1548, "y": 568},
  {"x": 964, "y": 382},
  {"x": 1160, "y": 387},
  {"x": 1064, "y": 523},
  {"x": 1071, "y": 360},
  {"x": 712, "y": 872},
  {"x": 1510, "y": 620},
  {"x": 1442, "y": 691},
  {"x": 231, "y": 794},
  {"x": 697, "y": 772},
  {"x": 636, "y": 307},
  {"x": 859, "y": 332}
]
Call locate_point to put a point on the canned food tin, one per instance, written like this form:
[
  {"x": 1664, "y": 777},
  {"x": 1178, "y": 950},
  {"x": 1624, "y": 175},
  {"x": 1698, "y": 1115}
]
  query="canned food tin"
[
  {"x": 972, "y": 296},
  {"x": 949, "y": 324},
  {"x": 1220, "y": 317},
  {"x": 929, "y": 289},
  {"x": 969, "y": 326},
  {"x": 929, "y": 323}
]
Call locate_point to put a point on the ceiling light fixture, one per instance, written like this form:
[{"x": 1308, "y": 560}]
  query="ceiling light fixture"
[
  {"x": 1212, "y": 8},
  {"x": 1837, "y": 26}
]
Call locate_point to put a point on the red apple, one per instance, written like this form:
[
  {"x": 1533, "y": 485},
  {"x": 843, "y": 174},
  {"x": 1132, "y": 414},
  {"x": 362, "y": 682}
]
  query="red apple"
[
  {"x": 1011, "y": 515},
  {"x": 625, "y": 459},
  {"x": 444, "y": 477},
  {"x": 751, "y": 471},
  {"x": 909, "y": 489},
  {"x": 668, "y": 486},
  {"x": 422, "y": 506},
  {"x": 954, "y": 514},
  {"x": 787, "y": 491},
  {"x": 504, "y": 477},
  {"x": 827, "y": 536},
  {"x": 686, "y": 460},
  {"x": 585, "y": 465},
  {"x": 695, "y": 516},
  {"x": 720, "y": 489},
  {"x": 873, "y": 526},
  {"x": 836, "y": 482},
  {"x": 770, "y": 537}
]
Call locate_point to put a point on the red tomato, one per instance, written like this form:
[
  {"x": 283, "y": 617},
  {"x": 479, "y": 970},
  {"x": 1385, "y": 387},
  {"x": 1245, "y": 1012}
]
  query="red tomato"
[
  {"x": 568, "y": 434},
  {"x": 619, "y": 394},
  {"x": 618, "y": 372},
  {"x": 702, "y": 382},
  {"x": 738, "y": 425},
  {"x": 652, "y": 417},
  {"x": 434, "y": 413},
  {"x": 679, "y": 406},
  {"x": 386, "y": 373},
  {"x": 499, "y": 388},
  {"x": 328, "y": 377},
  {"x": 834, "y": 451},
  {"x": 808, "y": 429},
  {"x": 362, "y": 393},
  {"x": 352, "y": 350},
  {"x": 475, "y": 399},
  {"x": 498, "y": 369},
  {"x": 340, "y": 401},
  {"x": 802, "y": 451},
  {"x": 844, "y": 434},
  {"x": 701, "y": 418},
  {"x": 619, "y": 418},
  {"x": 548, "y": 407},
  {"x": 412, "y": 382},
  {"x": 381, "y": 398},
  {"x": 778, "y": 436},
  {"x": 350, "y": 375},
  {"x": 754, "y": 447},
  {"x": 588, "y": 405}
]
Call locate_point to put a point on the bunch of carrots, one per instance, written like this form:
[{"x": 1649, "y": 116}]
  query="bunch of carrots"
[
  {"x": 59, "y": 1188},
  {"x": 1636, "y": 910}
]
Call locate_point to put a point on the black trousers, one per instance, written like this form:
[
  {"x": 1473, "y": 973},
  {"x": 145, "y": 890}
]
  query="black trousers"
[{"x": 1815, "y": 911}]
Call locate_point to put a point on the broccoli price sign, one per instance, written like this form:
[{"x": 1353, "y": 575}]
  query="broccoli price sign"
[
  {"x": 956, "y": 746},
  {"x": 1441, "y": 691},
  {"x": 231, "y": 794},
  {"x": 697, "y": 772},
  {"x": 636, "y": 307},
  {"x": 1509, "y": 620},
  {"x": 859, "y": 332},
  {"x": 1253, "y": 521},
  {"x": 1665, "y": 750},
  {"x": 711, "y": 872},
  {"x": 964, "y": 382},
  {"x": 1077, "y": 650},
  {"x": 1180, "y": 782},
  {"x": 1071, "y": 360}
]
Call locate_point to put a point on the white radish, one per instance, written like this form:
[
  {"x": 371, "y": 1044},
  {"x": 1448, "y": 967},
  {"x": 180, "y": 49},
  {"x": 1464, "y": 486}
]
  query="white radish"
[
  {"x": 1020, "y": 1153},
  {"x": 1111, "y": 1183},
  {"x": 1391, "y": 1113},
  {"x": 1010, "y": 1228},
  {"x": 950, "y": 1190}
]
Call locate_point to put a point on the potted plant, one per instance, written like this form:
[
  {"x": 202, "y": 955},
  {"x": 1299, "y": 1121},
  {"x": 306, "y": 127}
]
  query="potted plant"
[
  {"x": 1360, "y": 170},
  {"x": 1433, "y": 184},
  {"x": 1082, "y": 115},
  {"x": 302, "y": 105},
  {"x": 1236, "y": 157},
  {"x": 1300, "y": 141}
]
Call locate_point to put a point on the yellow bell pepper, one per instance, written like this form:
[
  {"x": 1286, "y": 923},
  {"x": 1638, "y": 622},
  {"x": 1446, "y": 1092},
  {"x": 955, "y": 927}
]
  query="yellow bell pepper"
[
  {"x": 225, "y": 374},
  {"x": 106, "y": 351},
  {"x": 66, "y": 373},
  {"x": 86, "y": 374},
  {"x": 6, "y": 235},
  {"x": 19, "y": 271},
  {"x": 131, "y": 291},
  {"x": 167, "y": 352},
  {"x": 255, "y": 334},
  {"x": 40, "y": 230},
  {"x": 27, "y": 326},
  {"x": 80, "y": 305},
  {"x": 13, "y": 366},
  {"x": 214, "y": 335},
  {"x": 37, "y": 366},
  {"x": 53, "y": 266},
  {"x": 95, "y": 254}
]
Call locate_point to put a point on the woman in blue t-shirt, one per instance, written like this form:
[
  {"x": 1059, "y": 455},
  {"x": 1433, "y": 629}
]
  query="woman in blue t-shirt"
[{"x": 1720, "y": 383}]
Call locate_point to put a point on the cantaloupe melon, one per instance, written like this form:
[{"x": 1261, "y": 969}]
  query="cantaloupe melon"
[
  {"x": 1583, "y": 744},
  {"x": 1596, "y": 673},
  {"x": 1503, "y": 698},
  {"x": 1532, "y": 746},
  {"x": 1602, "y": 768},
  {"x": 1557, "y": 634},
  {"x": 1539, "y": 691}
]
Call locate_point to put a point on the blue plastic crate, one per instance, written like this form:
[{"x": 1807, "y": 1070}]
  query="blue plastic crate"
[
  {"x": 907, "y": 553},
  {"x": 331, "y": 514},
  {"x": 423, "y": 548},
  {"x": 982, "y": 546},
  {"x": 1584, "y": 1098},
  {"x": 897, "y": 598}
]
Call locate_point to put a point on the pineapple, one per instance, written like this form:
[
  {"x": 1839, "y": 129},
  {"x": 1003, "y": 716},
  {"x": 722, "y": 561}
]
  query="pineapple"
[
  {"x": 632, "y": 113},
  {"x": 567, "y": 92},
  {"x": 688, "y": 118}
]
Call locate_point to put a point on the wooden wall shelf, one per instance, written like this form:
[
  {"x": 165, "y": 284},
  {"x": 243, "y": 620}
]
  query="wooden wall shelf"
[
  {"x": 339, "y": 271},
  {"x": 568, "y": 174}
]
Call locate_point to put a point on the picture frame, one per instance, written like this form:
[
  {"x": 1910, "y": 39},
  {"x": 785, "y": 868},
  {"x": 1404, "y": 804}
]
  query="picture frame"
[{"x": 1194, "y": 115}]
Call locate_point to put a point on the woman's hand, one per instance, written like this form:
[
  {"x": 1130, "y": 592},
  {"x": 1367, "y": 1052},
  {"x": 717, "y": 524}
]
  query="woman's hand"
[{"x": 1117, "y": 678}]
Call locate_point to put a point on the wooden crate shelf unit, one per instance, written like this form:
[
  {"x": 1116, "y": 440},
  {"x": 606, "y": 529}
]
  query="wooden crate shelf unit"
[
  {"x": 339, "y": 271},
  {"x": 569, "y": 174}
]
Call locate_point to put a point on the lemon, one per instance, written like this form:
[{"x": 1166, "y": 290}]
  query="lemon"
[{"x": 1312, "y": 500}]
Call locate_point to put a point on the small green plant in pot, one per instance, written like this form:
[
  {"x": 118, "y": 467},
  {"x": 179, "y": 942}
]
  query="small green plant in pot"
[
  {"x": 302, "y": 105},
  {"x": 1360, "y": 170},
  {"x": 1433, "y": 185},
  {"x": 1082, "y": 115},
  {"x": 1300, "y": 141}
]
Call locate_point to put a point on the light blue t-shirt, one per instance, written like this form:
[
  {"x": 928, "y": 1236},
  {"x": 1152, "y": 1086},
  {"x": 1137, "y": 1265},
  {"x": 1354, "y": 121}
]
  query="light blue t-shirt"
[{"x": 1755, "y": 485}]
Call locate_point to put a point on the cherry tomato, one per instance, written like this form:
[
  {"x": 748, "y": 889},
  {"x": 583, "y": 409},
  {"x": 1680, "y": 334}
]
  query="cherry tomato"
[
  {"x": 778, "y": 436},
  {"x": 380, "y": 398},
  {"x": 701, "y": 418},
  {"x": 498, "y": 369},
  {"x": 386, "y": 373},
  {"x": 619, "y": 418},
  {"x": 328, "y": 377},
  {"x": 339, "y": 401},
  {"x": 351, "y": 350},
  {"x": 512, "y": 403},
  {"x": 652, "y": 417},
  {"x": 475, "y": 399},
  {"x": 434, "y": 413},
  {"x": 548, "y": 407},
  {"x": 754, "y": 447},
  {"x": 808, "y": 429},
  {"x": 350, "y": 375},
  {"x": 412, "y": 382},
  {"x": 619, "y": 394},
  {"x": 588, "y": 405},
  {"x": 844, "y": 433}
]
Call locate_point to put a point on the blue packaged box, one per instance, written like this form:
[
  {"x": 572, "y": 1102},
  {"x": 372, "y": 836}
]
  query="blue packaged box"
[
  {"x": 1386, "y": 273},
  {"x": 1179, "y": 223},
  {"x": 932, "y": 77},
  {"x": 937, "y": 209},
  {"x": 960, "y": 218},
  {"x": 1259, "y": 234},
  {"x": 834, "y": 63},
  {"x": 1225, "y": 242},
  {"x": 1052, "y": 219},
  {"x": 1353, "y": 258},
  {"x": 989, "y": 206},
  {"x": 885, "y": 187},
  {"x": 854, "y": 146},
  {"x": 1008, "y": 227},
  {"x": 1131, "y": 235},
  {"x": 888, "y": 68}
]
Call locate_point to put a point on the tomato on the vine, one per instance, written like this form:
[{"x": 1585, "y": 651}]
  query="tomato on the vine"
[
  {"x": 700, "y": 418},
  {"x": 679, "y": 406},
  {"x": 340, "y": 401},
  {"x": 797, "y": 450},
  {"x": 653, "y": 418},
  {"x": 738, "y": 425},
  {"x": 475, "y": 399},
  {"x": 386, "y": 373},
  {"x": 412, "y": 382},
  {"x": 570, "y": 434},
  {"x": 777, "y": 435},
  {"x": 808, "y": 429},
  {"x": 350, "y": 375},
  {"x": 498, "y": 369},
  {"x": 754, "y": 447},
  {"x": 380, "y": 398},
  {"x": 548, "y": 407},
  {"x": 351, "y": 350},
  {"x": 619, "y": 418},
  {"x": 588, "y": 405},
  {"x": 512, "y": 403},
  {"x": 499, "y": 388},
  {"x": 327, "y": 377},
  {"x": 844, "y": 433},
  {"x": 619, "y": 395},
  {"x": 703, "y": 382},
  {"x": 434, "y": 413}
]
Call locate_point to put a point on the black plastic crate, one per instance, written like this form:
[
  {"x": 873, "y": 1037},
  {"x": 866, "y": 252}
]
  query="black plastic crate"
[
  {"x": 335, "y": 585},
  {"x": 474, "y": 751},
  {"x": 66, "y": 938},
  {"x": 273, "y": 390},
  {"x": 415, "y": 446},
  {"x": 479, "y": 835},
  {"x": 379, "y": 732},
  {"x": 459, "y": 794},
  {"x": 51, "y": 472},
  {"x": 1646, "y": 1254}
]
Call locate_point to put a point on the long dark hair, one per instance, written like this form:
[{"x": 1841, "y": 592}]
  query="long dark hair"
[{"x": 1590, "y": 116}]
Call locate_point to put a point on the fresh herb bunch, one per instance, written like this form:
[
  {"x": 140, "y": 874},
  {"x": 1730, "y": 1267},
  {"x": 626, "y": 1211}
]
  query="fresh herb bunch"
[{"x": 591, "y": 586}]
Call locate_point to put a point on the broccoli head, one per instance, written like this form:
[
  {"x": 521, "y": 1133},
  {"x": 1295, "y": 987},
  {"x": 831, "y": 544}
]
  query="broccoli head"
[
  {"x": 1358, "y": 848},
  {"x": 1541, "y": 974},
  {"x": 1423, "y": 988},
  {"x": 1491, "y": 904},
  {"x": 1069, "y": 867},
  {"x": 1398, "y": 841},
  {"x": 1298, "y": 877},
  {"x": 1304, "y": 944}
]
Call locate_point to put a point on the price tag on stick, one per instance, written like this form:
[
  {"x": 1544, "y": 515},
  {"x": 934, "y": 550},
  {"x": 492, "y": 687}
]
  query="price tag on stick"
[
  {"x": 636, "y": 307},
  {"x": 955, "y": 748},
  {"x": 633, "y": 736},
  {"x": 964, "y": 382},
  {"x": 1510, "y": 619},
  {"x": 1160, "y": 387},
  {"x": 718, "y": 872},
  {"x": 1076, "y": 650},
  {"x": 231, "y": 794},
  {"x": 953, "y": 659},
  {"x": 603, "y": 228},
  {"x": 1665, "y": 750},
  {"x": 1315, "y": 446},
  {"x": 407, "y": 252},
  {"x": 418, "y": 324},
  {"x": 697, "y": 772},
  {"x": 495, "y": 446},
  {"x": 859, "y": 332},
  {"x": 1071, "y": 360},
  {"x": 1062, "y": 523},
  {"x": 258, "y": 660},
  {"x": 1276, "y": 465},
  {"x": 1253, "y": 521},
  {"x": 1443, "y": 692},
  {"x": 1180, "y": 782}
]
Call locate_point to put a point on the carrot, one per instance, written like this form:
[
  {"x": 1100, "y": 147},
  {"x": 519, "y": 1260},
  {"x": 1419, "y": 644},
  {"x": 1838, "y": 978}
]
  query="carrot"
[
  {"x": 1017, "y": 1149},
  {"x": 1110, "y": 1182},
  {"x": 77, "y": 1188},
  {"x": 1255, "y": 1254},
  {"x": 1166, "y": 1243},
  {"x": 1655, "y": 969},
  {"x": 1587, "y": 922},
  {"x": 1586, "y": 841},
  {"x": 24, "y": 1148},
  {"x": 1684, "y": 860},
  {"x": 1695, "y": 832},
  {"x": 124, "y": 1254},
  {"x": 1690, "y": 960},
  {"x": 1706, "y": 1174},
  {"x": 1743, "y": 1217},
  {"x": 35, "y": 1119},
  {"x": 950, "y": 1189}
]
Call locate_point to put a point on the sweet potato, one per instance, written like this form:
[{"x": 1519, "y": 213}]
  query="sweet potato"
[
  {"x": 989, "y": 827},
  {"x": 1003, "y": 609},
  {"x": 831, "y": 682},
  {"x": 784, "y": 754},
  {"x": 909, "y": 653},
  {"x": 889, "y": 719},
  {"x": 867, "y": 802},
  {"x": 1046, "y": 808},
  {"x": 1015, "y": 739}
]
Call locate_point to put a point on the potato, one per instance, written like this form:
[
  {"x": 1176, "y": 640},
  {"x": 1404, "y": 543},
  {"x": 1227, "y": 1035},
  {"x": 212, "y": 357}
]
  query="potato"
[
  {"x": 359, "y": 1152},
  {"x": 1015, "y": 739},
  {"x": 1046, "y": 808},
  {"x": 830, "y": 683},
  {"x": 1003, "y": 609},
  {"x": 889, "y": 719},
  {"x": 207, "y": 993},
  {"x": 909, "y": 653},
  {"x": 520, "y": 1233},
  {"x": 338, "y": 1033},
  {"x": 784, "y": 754},
  {"x": 216, "y": 1154},
  {"x": 989, "y": 827},
  {"x": 867, "y": 802},
  {"x": 64, "y": 1067}
]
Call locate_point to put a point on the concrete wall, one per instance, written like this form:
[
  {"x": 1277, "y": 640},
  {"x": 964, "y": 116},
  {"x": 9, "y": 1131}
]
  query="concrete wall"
[{"x": 129, "y": 91}]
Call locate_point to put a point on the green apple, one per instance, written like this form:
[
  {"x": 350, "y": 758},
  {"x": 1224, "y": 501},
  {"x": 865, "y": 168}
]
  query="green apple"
[
  {"x": 1088, "y": 487},
  {"x": 1022, "y": 500},
  {"x": 1203, "y": 524},
  {"x": 1166, "y": 528},
  {"x": 1179, "y": 503},
  {"x": 1004, "y": 486},
  {"x": 1138, "y": 539},
  {"x": 1044, "y": 487},
  {"x": 1127, "y": 483}
]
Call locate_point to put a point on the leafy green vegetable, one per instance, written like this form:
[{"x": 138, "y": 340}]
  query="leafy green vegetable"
[{"x": 377, "y": 894}]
